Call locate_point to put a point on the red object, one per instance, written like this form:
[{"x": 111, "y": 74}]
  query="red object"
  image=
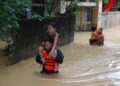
[
  {"x": 49, "y": 63},
  {"x": 98, "y": 37},
  {"x": 108, "y": 6}
]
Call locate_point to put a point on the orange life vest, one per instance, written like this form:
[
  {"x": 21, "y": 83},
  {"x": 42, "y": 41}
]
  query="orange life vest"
[{"x": 49, "y": 63}]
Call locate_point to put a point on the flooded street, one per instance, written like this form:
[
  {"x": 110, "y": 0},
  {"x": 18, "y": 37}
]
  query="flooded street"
[{"x": 83, "y": 65}]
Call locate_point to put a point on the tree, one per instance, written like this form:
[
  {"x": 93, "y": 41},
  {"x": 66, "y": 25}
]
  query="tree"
[{"x": 9, "y": 15}]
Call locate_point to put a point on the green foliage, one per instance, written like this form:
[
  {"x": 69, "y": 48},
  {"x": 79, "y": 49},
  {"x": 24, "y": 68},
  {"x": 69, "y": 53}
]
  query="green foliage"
[
  {"x": 37, "y": 16},
  {"x": 73, "y": 8},
  {"x": 9, "y": 11},
  {"x": 106, "y": 1}
]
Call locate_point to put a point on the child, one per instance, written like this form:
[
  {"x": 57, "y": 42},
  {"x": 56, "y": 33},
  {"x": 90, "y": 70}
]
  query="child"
[
  {"x": 100, "y": 36},
  {"x": 93, "y": 36},
  {"x": 47, "y": 61},
  {"x": 53, "y": 35}
]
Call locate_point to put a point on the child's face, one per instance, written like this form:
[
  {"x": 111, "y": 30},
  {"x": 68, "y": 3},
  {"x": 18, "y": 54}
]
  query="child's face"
[
  {"x": 50, "y": 30},
  {"x": 100, "y": 30},
  {"x": 47, "y": 45}
]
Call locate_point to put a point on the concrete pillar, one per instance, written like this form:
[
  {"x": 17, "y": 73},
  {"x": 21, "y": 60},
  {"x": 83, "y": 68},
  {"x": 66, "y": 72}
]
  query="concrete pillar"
[{"x": 100, "y": 3}]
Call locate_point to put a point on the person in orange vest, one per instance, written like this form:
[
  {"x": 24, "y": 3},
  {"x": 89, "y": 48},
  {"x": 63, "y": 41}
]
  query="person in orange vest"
[{"x": 49, "y": 62}]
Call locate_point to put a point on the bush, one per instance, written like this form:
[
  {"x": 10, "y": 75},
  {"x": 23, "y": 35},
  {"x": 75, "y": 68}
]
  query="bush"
[{"x": 10, "y": 12}]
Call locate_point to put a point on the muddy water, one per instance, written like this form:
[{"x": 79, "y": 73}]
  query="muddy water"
[{"x": 84, "y": 65}]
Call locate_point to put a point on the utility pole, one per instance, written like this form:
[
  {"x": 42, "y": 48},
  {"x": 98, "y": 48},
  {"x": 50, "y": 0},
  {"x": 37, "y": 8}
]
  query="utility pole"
[{"x": 100, "y": 3}]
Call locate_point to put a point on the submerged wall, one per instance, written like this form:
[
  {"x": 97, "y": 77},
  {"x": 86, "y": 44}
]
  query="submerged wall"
[{"x": 32, "y": 32}]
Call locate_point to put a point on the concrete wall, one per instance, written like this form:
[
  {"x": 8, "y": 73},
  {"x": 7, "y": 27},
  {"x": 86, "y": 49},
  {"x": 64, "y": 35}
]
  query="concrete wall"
[
  {"x": 81, "y": 17},
  {"x": 82, "y": 24},
  {"x": 111, "y": 19},
  {"x": 95, "y": 16}
]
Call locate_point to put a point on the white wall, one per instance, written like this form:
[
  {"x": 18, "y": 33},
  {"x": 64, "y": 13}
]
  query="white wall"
[{"x": 112, "y": 19}]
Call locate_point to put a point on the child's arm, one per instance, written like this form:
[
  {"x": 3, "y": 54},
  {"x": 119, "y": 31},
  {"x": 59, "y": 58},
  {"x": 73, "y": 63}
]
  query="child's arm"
[
  {"x": 54, "y": 54},
  {"x": 102, "y": 35},
  {"x": 97, "y": 34}
]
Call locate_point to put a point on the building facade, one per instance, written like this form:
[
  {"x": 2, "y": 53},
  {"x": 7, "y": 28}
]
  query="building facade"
[
  {"x": 111, "y": 18},
  {"x": 89, "y": 14}
]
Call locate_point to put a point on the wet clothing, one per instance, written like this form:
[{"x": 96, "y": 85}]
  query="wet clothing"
[
  {"x": 96, "y": 40},
  {"x": 93, "y": 36},
  {"x": 49, "y": 65},
  {"x": 98, "y": 37},
  {"x": 58, "y": 60},
  {"x": 92, "y": 41},
  {"x": 52, "y": 37}
]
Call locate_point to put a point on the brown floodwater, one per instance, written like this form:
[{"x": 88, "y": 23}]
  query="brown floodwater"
[{"x": 83, "y": 65}]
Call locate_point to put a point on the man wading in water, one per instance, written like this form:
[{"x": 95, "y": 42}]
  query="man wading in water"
[{"x": 53, "y": 37}]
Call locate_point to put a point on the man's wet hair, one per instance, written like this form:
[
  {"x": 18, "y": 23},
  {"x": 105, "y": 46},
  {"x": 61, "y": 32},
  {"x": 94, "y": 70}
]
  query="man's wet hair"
[
  {"x": 53, "y": 24},
  {"x": 47, "y": 40}
]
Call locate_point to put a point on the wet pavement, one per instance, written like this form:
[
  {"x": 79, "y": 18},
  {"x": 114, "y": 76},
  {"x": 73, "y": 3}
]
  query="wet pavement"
[{"x": 83, "y": 65}]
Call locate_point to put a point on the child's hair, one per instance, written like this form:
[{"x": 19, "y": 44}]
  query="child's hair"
[
  {"x": 101, "y": 28},
  {"x": 53, "y": 24},
  {"x": 93, "y": 29}
]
